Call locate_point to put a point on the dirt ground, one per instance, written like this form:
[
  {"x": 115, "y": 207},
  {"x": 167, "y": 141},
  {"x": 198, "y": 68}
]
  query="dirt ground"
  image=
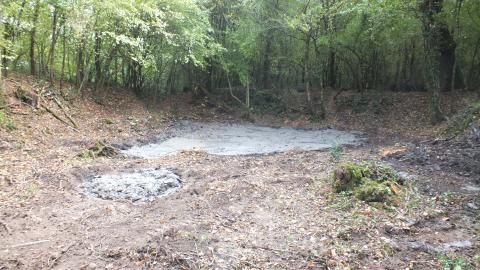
[{"x": 233, "y": 212}]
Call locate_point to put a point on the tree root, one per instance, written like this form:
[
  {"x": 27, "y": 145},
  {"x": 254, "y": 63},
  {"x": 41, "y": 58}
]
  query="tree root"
[{"x": 100, "y": 149}]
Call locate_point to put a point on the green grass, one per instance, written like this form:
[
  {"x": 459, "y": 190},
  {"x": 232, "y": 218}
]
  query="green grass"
[
  {"x": 449, "y": 262},
  {"x": 7, "y": 122},
  {"x": 3, "y": 118}
]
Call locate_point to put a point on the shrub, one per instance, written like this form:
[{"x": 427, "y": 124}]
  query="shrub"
[{"x": 336, "y": 152}]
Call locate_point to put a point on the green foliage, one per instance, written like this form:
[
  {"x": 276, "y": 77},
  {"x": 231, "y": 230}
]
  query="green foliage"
[
  {"x": 373, "y": 191},
  {"x": 11, "y": 126},
  {"x": 369, "y": 181},
  {"x": 453, "y": 263},
  {"x": 158, "y": 47},
  {"x": 7, "y": 122},
  {"x": 3, "y": 118},
  {"x": 336, "y": 152}
]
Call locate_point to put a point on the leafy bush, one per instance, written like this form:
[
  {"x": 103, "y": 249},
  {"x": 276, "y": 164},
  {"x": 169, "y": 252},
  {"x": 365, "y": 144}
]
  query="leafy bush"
[{"x": 369, "y": 181}]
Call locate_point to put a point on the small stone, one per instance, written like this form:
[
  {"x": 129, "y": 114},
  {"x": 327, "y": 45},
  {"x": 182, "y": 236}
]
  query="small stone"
[
  {"x": 473, "y": 206},
  {"x": 109, "y": 266},
  {"x": 92, "y": 266},
  {"x": 406, "y": 176},
  {"x": 472, "y": 188},
  {"x": 422, "y": 247}
]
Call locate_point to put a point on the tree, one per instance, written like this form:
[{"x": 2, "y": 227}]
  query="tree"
[{"x": 434, "y": 33}]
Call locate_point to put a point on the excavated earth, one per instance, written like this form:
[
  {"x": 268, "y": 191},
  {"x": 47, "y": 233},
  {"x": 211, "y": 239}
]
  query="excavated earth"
[{"x": 200, "y": 206}]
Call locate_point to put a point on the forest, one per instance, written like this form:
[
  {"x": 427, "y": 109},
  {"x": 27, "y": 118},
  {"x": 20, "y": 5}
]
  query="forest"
[
  {"x": 240, "y": 134},
  {"x": 157, "y": 48}
]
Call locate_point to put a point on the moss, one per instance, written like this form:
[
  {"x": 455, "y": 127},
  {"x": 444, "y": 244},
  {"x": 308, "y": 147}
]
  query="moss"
[
  {"x": 347, "y": 177},
  {"x": 372, "y": 191},
  {"x": 369, "y": 181},
  {"x": 381, "y": 172}
]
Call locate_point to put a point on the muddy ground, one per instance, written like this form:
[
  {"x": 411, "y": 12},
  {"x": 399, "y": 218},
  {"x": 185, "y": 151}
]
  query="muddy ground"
[{"x": 274, "y": 211}]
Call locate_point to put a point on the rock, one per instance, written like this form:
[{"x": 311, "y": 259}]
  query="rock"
[
  {"x": 457, "y": 245},
  {"x": 91, "y": 266},
  {"x": 391, "y": 243},
  {"x": 407, "y": 176},
  {"x": 422, "y": 247},
  {"x": 473, "y": 206},
  {"x": 472, "y": 188}
]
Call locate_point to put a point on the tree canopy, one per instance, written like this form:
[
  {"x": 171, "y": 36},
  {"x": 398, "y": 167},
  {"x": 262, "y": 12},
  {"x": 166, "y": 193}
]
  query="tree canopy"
[{"x": 160, "y": 47}]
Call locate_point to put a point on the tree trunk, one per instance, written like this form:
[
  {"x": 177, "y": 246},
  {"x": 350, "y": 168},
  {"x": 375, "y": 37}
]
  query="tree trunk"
[
  {"x": 332, "y": 68},
  {"x": 306, "y": 73},
  {"x": 434, "y": 61},
  {"x": 1, "y": 56},
  {"x": 267, "y": 80},
  {"x": 471, "y": 74},
  {"x": 33, "y": 33},
  {"x": 98, "y": 62},
  {"x": 51, "y": 58},
  {"x": 64, "y": 54},
  {"x": 80, "y": 64}
]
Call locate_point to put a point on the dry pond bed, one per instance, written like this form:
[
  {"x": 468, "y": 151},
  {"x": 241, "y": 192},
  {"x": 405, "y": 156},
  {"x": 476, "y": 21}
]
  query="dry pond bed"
[{"x": 269, "y": 211}]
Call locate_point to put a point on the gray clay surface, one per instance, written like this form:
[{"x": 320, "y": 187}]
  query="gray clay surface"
[{"x": 242, "y": 139}]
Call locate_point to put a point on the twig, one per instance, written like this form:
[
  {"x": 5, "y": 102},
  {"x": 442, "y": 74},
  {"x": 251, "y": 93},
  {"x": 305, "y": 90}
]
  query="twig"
[
  {"x": 7, "y": 106},
  {"x": 295, "y": 253},
  {"x": 231, "y": 91},
  {"x": 54, "y": 262},
  {"x": 19, "y": 113},
  {"x": 30, "y": 244},
  {"x": 6, "y": 227},
  {"x": 58, "y": 117},
  {"x": 65, "y": 112}
]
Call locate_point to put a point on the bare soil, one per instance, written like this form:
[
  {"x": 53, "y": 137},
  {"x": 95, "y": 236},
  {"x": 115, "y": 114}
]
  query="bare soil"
[{"x": 274, "y": 211}]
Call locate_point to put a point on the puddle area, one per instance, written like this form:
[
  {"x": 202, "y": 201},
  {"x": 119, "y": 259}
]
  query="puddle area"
[
  {"x": 138, "y": 186},
  {"x": 218, "y": 139},
  {"x": 242, "y": 139}
]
